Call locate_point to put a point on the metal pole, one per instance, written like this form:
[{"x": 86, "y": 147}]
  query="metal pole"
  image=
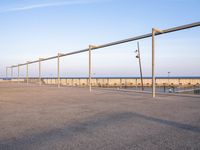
[
  {"x": 6, "y": 72},
  {"x": 154, "y": 31},
  {"x": 58, "y": 70},
  {"x": 90, "y": 70},
  {"x": 40, "y": 81},
  {"x": 11, "y": 72},
  {"x": 27, "y": 75},
  {"x": 140, "y": 64},
  {"x": 153, "y": 64},
  {"x": 90, "y": 65},
  {"x": 18, "y": 74}
]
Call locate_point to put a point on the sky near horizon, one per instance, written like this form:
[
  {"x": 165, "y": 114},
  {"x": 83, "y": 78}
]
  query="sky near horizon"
[{"x": 32, "y": 29}]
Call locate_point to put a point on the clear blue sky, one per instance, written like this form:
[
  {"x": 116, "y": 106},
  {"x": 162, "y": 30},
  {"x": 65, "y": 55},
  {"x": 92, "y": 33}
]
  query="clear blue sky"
[{"x": 41, "y": 28}]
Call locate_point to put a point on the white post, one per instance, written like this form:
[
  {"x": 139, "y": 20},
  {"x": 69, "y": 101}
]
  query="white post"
[
  {"x": 90, "y": 70},
  {"x": 6, "y": 72},
  {"x": 58, "y": 70},
  {"x": 90, "y": 65},
  {"x": 153, "y": 64},
  {"x": 40, "y": 80},
  {"x": 154, "y": 31},
  {"x": 27, "y": 75},
  {"x": 18, "y": 73},
  {"x": 11, "y": 72}
]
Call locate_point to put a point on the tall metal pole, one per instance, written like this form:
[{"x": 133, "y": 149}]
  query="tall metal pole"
[
  {"x": 153, "y": 64},
  {"x": 11, "y": 72},
  {"x": 6, "y": 72},
  {"x": 140, "y": 64},
  {"x": 27, "y": 75},
  {"x": 90, "y": 65},
  {"x": 154, "y": 31},
  {"x": 90, "y": 69},
  {"x": 40, "y": 80},
  {"x": 18, "y": 74},
  {"x": 58, "y": 70}
]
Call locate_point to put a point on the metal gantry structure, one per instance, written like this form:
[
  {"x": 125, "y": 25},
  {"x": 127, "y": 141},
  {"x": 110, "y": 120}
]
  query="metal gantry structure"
[{"x": 155, "y": 32}]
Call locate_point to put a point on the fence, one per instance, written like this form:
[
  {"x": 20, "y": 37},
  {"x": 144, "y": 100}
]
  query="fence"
[{"x": 154, "y": 33}]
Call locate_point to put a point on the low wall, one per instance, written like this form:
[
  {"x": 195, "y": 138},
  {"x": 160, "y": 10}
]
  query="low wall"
[{"x": 116, "y": 82}]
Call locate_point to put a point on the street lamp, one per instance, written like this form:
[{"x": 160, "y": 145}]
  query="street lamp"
[{"x": 140, "y": 65}]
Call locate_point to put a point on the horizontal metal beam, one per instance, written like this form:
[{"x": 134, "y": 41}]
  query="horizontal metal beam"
[{"x": 119, "y": 42}]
